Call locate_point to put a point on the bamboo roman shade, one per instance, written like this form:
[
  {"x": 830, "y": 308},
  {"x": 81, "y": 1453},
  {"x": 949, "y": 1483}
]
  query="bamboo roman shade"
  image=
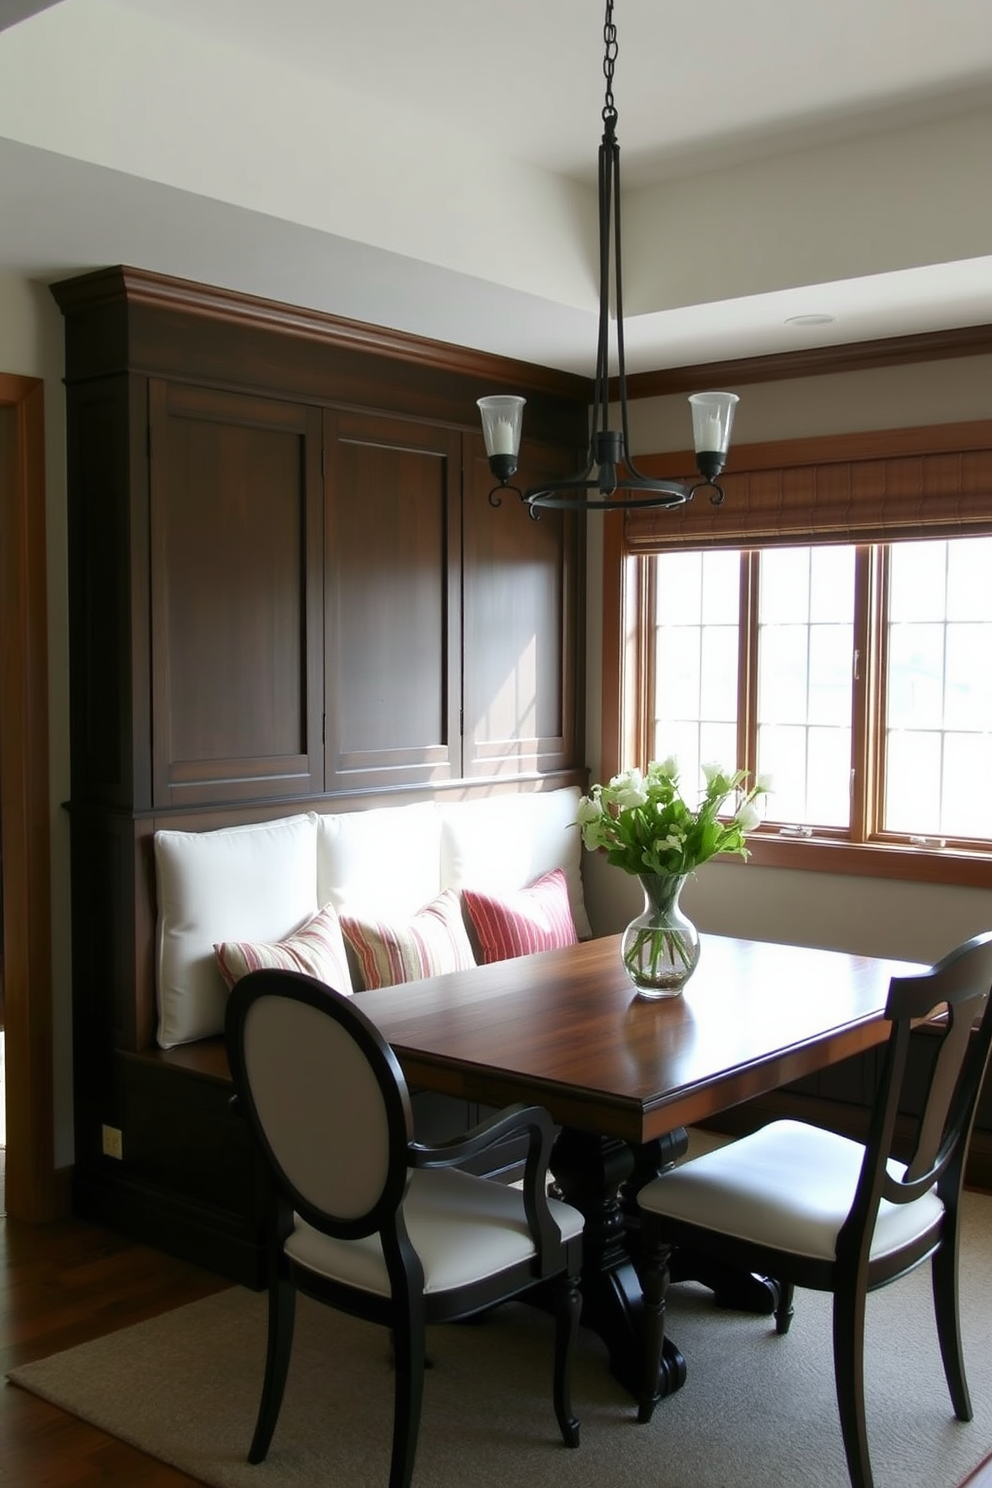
[{"x": 879, "y": 487}]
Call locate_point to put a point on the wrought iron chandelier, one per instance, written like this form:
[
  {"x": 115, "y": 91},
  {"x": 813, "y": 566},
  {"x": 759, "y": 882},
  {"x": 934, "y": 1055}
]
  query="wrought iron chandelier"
[{"x": 610, "y": 479}]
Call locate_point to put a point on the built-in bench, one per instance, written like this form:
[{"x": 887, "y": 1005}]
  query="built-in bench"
[{"x": 353, "y": 895}]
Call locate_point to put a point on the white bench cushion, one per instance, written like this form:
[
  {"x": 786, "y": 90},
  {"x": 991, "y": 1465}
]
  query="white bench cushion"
[
  {"x": 499, "y": 844},
  {"x": 382, "y": 863},
  {"x": 257, "y": 882}
]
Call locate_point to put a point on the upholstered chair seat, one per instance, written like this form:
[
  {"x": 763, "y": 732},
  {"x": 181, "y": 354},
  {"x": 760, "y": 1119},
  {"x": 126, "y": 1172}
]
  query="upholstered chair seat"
[{"x": 464, "y": 1229}]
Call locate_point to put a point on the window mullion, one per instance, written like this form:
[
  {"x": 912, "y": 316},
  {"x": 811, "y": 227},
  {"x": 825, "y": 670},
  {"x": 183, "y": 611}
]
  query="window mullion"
[
  {"x": 863, "y": 704},
  {"x": 876, "y": 604},
  {"x": 747, "y": 667}
]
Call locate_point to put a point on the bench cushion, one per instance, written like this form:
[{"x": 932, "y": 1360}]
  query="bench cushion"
[
  {"x": 498, "y": 844},
  {"x": 382, "y": 862},
  {"x": 257, "y": 882}
]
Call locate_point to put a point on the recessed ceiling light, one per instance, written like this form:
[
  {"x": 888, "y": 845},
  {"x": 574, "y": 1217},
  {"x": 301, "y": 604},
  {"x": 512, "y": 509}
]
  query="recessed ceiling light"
[{"x": 809, "y": 320}]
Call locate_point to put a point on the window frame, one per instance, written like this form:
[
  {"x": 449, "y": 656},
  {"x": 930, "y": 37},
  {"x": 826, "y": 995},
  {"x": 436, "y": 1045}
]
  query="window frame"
[{"x": 864, "y": 490}]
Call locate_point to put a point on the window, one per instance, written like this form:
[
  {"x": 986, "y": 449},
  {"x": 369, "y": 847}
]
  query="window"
[
  {"x": 929, "y": 607},
  {"x": 831, "y": 626}
]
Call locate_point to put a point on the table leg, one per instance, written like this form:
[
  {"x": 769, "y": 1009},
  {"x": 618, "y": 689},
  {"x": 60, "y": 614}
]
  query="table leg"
[
  {"x": 589, "y": 1172},
  {"x": 738, "y": 1290}
]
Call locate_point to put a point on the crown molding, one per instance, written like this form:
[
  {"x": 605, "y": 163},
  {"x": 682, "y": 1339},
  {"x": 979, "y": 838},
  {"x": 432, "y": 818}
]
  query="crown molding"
[{"x": 815, "y": 361}]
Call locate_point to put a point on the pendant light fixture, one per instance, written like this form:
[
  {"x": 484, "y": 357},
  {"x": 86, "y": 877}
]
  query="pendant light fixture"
[{"x": 610, "y": 477}]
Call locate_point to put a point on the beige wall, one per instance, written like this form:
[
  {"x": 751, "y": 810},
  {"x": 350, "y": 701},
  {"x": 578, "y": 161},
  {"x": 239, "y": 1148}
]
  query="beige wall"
[
  {"x": 31, "y": 346},
  {"x": 874, "y": 916}
]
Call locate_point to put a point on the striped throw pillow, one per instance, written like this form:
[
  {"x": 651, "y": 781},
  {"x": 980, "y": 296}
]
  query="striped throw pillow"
[
  {"x": 430, "y": 943},
  {"x": 316, "y": 948},
  {"x": 537, "y": 918}
]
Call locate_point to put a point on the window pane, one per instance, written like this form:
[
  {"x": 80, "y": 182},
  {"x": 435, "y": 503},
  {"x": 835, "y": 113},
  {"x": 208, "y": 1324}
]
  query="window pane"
[
  {"x": 968, "y": 700},
  {"x": 784, "y": 586},
  {"x": 912, "y": 782},
  {"x": 969, "y": 593},
  {"x": 916, "y": 676},
  {"x": 679, "y": 588},
  {"x": 697, "y": 600},
  {"x": 828, "y": 797},
  {"x": 721, "y": 588},
  {"x": 831, "y": 585},
  {"x": 967, "y": 802},
  {"x": 782, "y": 754},
  {"x": 677, "y": 673},
  {"x": 805, "y": 670},
  {"x": 782, "y": 679},
  {"x": 938, "y": 703},
  {"x": 917, "y": 581}
]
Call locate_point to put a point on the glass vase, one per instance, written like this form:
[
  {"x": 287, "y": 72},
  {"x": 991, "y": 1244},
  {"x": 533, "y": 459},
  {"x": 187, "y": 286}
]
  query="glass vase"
[{"x": 660, "y": 948}]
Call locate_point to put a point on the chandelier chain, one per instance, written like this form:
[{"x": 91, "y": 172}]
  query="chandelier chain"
[{"x": 609, "y": 62}]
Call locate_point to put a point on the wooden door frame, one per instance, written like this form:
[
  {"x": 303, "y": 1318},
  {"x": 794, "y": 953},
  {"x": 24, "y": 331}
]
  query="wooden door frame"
[{"x": 31, "y": 1189}]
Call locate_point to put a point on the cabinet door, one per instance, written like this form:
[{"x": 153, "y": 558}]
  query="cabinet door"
[
  {"x": 392, "y": 596},
  {"x": 522, "y": 618},
  {"x": 236, "y": 597}
]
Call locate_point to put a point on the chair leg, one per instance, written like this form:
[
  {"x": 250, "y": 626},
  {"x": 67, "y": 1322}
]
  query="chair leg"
[
  {"x": 568, "y": 1306},
  {"x": 849, "y": 1331},
  {"x": 279, "y": 1346},
  {"x": 784, "y": 1310},
  {"x": 654, "y": 1284},
  {"x": 408, "y": 1351},
  {"x": 944, "y": 1281}
]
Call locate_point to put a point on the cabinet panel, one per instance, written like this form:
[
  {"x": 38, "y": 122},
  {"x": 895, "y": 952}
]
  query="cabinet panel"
[
  {"x": 236, "y": 596},
  {"x": 392, "y": 593},
  {"x": 522, "y": 618}
]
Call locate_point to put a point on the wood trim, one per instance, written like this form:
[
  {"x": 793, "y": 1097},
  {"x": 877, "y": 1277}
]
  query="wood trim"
[
  {"x": 33, "y": 1190},
  {"x": 161, "y": 291},
  {"x": 813, "y": 361}
]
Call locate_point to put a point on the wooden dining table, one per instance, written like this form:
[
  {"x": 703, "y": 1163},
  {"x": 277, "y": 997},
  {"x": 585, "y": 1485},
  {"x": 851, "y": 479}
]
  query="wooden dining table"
[{"x": 623, "y": 1076}]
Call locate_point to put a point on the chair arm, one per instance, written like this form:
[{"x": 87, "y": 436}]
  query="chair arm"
[
  {"x": 540, "y": 1129},
  {"x": 504, "y": 1123}
]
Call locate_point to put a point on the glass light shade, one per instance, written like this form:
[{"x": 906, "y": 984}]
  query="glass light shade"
[
  {"x": 712, "y": 420},
  {"x": 502, "y": 419}
]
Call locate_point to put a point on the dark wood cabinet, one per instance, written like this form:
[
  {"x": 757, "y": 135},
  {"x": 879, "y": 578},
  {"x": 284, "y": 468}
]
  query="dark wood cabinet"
[
  {"x": 288, "y": 591},
  {"x": 393, "y": 595},
  {"x": 236, "y": 595},
  {"x": 523, "y": 649}
]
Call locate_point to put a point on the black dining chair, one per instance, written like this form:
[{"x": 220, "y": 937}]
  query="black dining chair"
[
  {"x": 366, "y": 1219},
  {"x": 814, "y": 1209}
]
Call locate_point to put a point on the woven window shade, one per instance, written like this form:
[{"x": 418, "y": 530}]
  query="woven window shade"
[{"x": 911, "y": 483}]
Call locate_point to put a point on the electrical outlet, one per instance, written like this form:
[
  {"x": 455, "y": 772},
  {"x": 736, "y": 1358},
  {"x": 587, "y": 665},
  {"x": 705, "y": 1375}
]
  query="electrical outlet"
[{"x": 113, "y": 1142}]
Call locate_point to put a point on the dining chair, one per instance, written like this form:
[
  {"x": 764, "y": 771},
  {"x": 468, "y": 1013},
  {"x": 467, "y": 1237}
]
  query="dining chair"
[
  {"x": 368, "y": 1220},
  {"x": 815, "y": 1209}
]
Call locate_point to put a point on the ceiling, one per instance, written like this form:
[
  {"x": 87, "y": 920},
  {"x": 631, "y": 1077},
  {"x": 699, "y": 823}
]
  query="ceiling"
[{"x": 429, "y": 165}]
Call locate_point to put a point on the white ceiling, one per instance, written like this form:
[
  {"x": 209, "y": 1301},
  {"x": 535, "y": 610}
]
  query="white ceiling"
[{"x": 429, "y": 165}]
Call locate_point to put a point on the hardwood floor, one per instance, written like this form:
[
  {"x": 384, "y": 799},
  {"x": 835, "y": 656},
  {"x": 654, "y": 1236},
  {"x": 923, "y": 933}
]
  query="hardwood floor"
[{"x": 65, "y": 1283}]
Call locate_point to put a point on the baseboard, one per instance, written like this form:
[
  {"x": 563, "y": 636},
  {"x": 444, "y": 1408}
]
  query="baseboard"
[{"x": 187, "y": 1231}]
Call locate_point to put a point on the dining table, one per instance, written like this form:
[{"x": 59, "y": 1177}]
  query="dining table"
[{"x": 623, "y": 1076}]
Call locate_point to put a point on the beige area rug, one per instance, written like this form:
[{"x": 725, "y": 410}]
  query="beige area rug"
[{"x": 756, "y": 1410}]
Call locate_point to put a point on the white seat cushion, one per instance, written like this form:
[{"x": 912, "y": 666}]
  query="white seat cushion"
[
  {"x": 462, "y": 1227},
  {"x": 789, "y": 1186}
]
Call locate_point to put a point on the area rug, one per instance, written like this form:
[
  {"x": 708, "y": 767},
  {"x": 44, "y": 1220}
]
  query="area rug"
[{"x": 756, "y": 1410}]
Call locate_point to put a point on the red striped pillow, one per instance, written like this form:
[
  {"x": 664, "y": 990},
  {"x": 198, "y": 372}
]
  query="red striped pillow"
[
  {"x": 316, "y": 948},
  {"x": 537, "y": 918},
  {"x": 432, "y": 942}
]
